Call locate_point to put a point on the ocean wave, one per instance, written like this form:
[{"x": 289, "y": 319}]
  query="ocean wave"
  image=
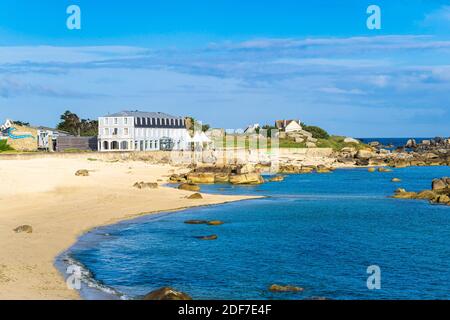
[{"x": 88, "y": 280}]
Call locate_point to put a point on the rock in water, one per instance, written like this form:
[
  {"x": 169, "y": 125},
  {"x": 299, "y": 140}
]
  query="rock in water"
[
  {"x": 167, "y": 293},
  {"x": 82, "y": 173},
  {"x": 396, "y": 180},
  {"x": 278, "y": 288},
  {"x": 215, "y": 223},
  {"x": 195, "y": 196},
  {"x": 24, "y": 228},
  {"x": 250, "y": 178},
  {"x": 371, "y": 169},
  {"x": 276, "y": 179},
  {"x": 196, "y": 222},
  {"x": 211, "y": 237},
  {"x": 440, "y": 184},
  {"x": 384, "y": 170},
  {"x": 189, "y": 187}
]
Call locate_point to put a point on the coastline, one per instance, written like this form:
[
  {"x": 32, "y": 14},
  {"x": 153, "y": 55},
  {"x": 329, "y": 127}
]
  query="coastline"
[{"x": 61, "y": 207}]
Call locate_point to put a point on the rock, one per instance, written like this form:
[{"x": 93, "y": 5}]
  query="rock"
[
  {"x": 411, "y": 144},
  {"x": 189, "y": 187},
  {"x": 82, "y": 173},
  {"x": 443, "y": 199},
  {"x": 405, "y": 195},
  {"x": 250, "y": 178},
  {"x": 201, "y": 178},
  {"x": 24, "y": 228},
  {"x": 374, "y": 144},
  {"x": 364, "y": 154},
  {"x": 396, "y": 180},
  {"x": 440, "y": 184},
  {"x": 195, "y": 196},
  {"x": 215, "y": 223},
  {"x": 292, "y": 169},
  {"x": 246, "y": 169},
  {"x": 167, "y": 293},
  {"x": 426, "y": 194},
  {"x": 178, "y": 178},
  {"x": 221, "y": 178},
  {"x": 196, "y": 222},
  {"x": 382, "y": 169},
  {"x": 278, "y": 288},
  {"x": 400, "y": 190},
  {"x": 145, "y": 185},
  {"x": 311, "y": 145},
  {"x": 211, "y": 237},
  {"x": 323, "y": 169},
  {"x": 371, "y": 169},
  {"x": 351, "y": 140},
  {"x": 276, "y": 179}
]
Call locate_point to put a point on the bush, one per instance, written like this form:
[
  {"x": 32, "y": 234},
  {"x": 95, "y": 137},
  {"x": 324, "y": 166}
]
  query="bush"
[
  {"x": 4, "y": 146},
  {"x": 317, "y": 132}
]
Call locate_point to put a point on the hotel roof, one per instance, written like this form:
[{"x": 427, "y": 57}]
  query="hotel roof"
[{"x": 143, "y": 114}]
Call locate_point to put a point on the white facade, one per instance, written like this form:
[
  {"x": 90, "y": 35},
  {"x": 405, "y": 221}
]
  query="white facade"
[
  {"x": 293, "y": 126},
  {"x": 142, "y": 131}
]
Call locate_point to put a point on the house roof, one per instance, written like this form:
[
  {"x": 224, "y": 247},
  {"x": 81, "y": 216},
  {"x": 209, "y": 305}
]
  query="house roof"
[
  {"x": 281, "y": 124},
  {"x": 143, "y": 114}
]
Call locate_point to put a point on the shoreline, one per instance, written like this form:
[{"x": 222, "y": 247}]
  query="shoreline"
[
  {"x": 91, "y": 288},
  {"x": 61, "y": 207}
]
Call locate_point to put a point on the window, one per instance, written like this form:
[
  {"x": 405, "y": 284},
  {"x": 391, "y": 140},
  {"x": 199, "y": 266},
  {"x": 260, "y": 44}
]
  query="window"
[
  {"x": 106, "y": 131},
  {"x": 151, "y": 120},
  {"x": 116, "y": 121},
  {"x": 115, "y": 132},
  {"x": 125, "y": 120},
  {"x": 125, "y": 131},
  {"x": 106, "y": 121}
]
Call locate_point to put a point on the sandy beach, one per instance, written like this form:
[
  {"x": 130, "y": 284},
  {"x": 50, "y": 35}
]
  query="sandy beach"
[{"x": 46, "y": 194}]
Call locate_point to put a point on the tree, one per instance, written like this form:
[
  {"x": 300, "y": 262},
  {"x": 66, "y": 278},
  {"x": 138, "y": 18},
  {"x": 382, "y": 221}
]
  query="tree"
[
  {"x": 317, "y": 132},
  {"x": 21, "y": 123},
  {"x": 71, "y": 123}
]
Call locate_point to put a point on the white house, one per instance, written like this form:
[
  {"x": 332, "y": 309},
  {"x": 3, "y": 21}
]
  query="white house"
[
  {"x": 142, "y": 131},
  {"x": 288, "y": 125}
]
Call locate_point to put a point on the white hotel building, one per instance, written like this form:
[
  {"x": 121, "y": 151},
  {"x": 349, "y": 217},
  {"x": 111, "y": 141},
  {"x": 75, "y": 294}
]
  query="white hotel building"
[{"x": 142, "y": 131}]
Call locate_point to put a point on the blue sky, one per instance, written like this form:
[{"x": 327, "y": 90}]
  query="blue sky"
[{"x": 232, "y": 63}]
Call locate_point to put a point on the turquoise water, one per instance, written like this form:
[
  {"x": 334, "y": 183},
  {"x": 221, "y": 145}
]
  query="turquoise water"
[{"x": 320, "y": 232}]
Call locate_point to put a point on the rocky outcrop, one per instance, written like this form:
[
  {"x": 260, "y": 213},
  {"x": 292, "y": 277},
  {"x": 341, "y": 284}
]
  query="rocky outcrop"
[
  {"x": 440, "y": 184},
  {"x": 440, "y": 193},
  {"x": 250, "y": 178},
  {"x": 145, "y": 185},
  {"x": 279, "y": 288},
  {"x": 351, "y": 140},
  {"x": 167, "y": 293},
  {"x": 195, "y": 196},
  {"x": 196, "y": 222},
  {"x": 82, "y": 173},
  {"x": 24, "y": 229},
  {"x": 189, "y": 187},
  {"x": 208, "y": 238},
  {"x": 276, "y": 179},
  {"x": 201, "y": 177},
  {"x": 215, "y": 223},
  {"x": 293, "y": 169}
]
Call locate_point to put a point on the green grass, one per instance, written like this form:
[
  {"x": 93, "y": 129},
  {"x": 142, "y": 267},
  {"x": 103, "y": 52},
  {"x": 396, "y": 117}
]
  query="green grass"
[{"x": 4, "y": 147}]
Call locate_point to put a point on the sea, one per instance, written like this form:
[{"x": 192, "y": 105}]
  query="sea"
[{"x": 325, "y": 233}]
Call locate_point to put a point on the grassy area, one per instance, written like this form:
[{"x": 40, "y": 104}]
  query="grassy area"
[{"x": 4, "y": 147}]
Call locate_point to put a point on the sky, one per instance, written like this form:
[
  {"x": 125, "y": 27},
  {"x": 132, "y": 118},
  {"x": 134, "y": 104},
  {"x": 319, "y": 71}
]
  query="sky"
[{"x": 232, "y": 63}]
